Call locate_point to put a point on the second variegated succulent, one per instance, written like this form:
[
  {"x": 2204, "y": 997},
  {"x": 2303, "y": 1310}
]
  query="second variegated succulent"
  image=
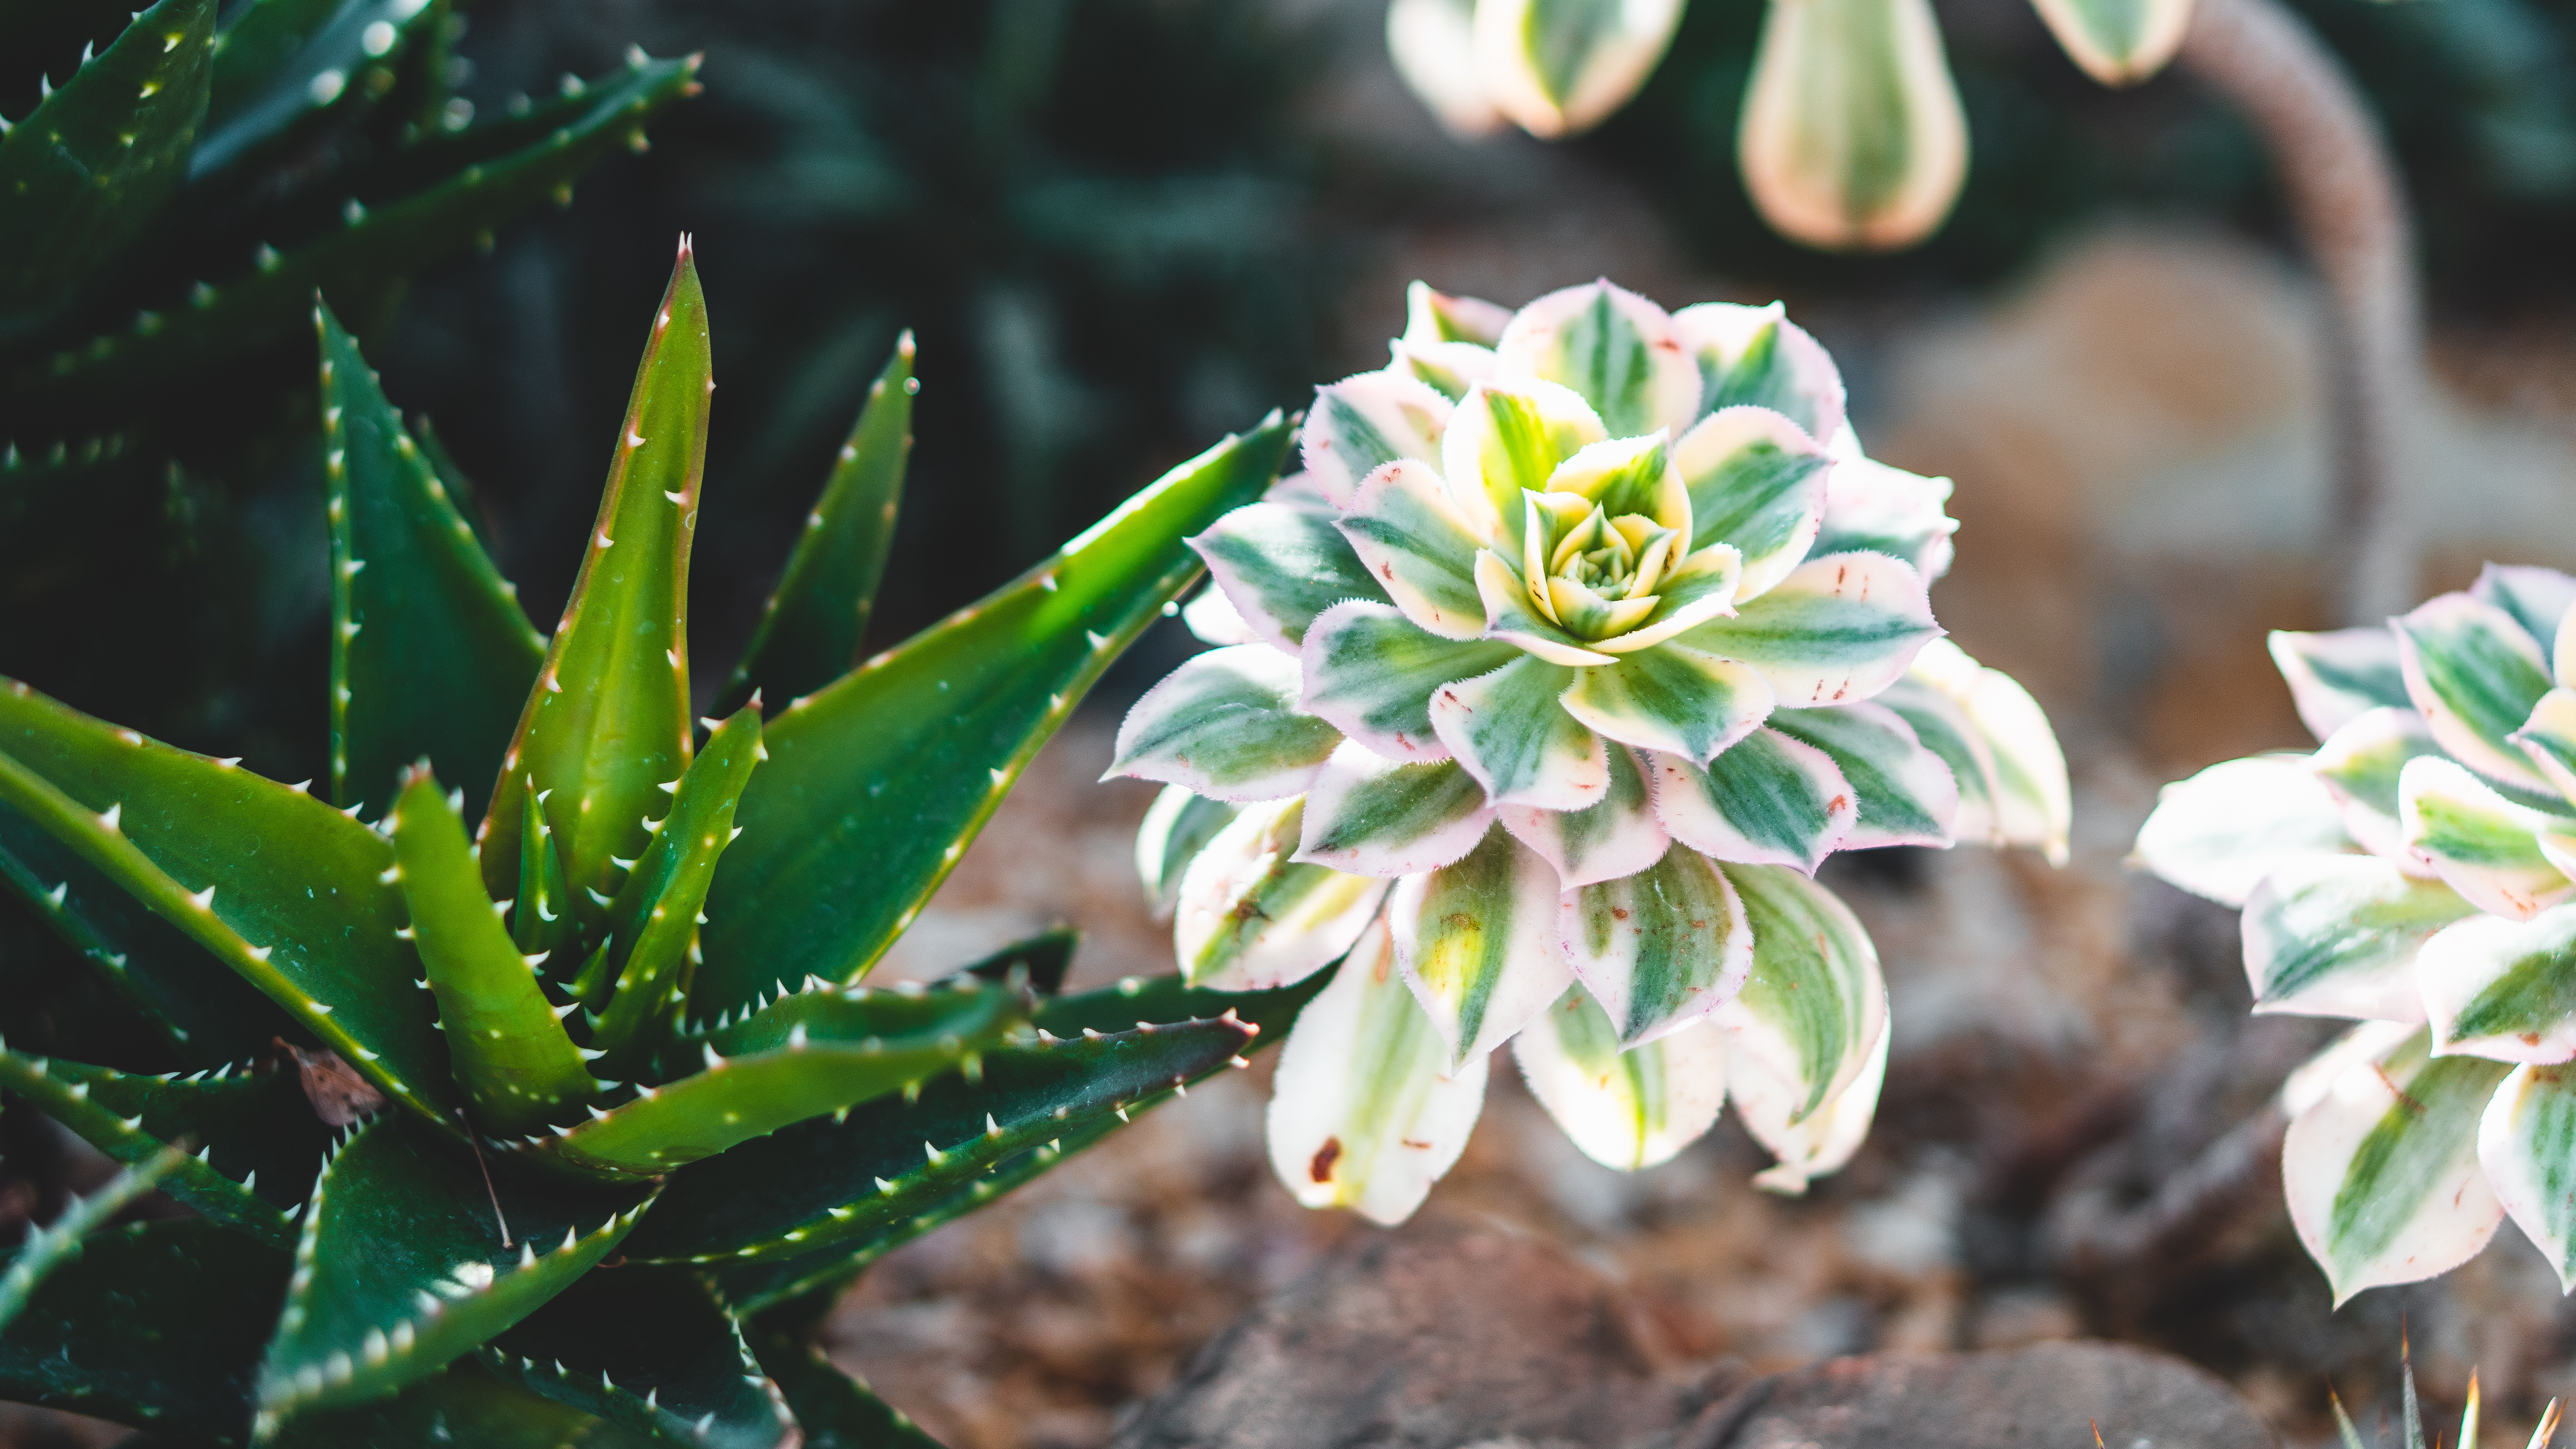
[
  {"x": 1585, "y": 637},
  {"x": 2418, "y": 872}
]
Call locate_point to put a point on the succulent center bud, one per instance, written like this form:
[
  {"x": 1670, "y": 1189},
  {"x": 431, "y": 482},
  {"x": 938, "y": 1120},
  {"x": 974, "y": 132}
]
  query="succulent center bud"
[{"x": 1592, "y": 555}]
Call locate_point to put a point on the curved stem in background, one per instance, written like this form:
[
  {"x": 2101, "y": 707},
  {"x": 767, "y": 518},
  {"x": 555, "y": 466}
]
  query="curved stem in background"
[{"x": 2346, "y": 202}]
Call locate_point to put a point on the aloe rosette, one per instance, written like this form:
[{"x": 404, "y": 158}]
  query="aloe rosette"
[
  {"x": 526, "y": 1079},
  {"x": 2414, "y": 872},
  {"x": 1543, "y": 691}
]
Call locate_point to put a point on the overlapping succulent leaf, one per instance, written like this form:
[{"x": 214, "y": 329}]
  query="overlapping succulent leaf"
[
  {"x": 534, "y": 1017},
  {"x": 2413, "y": 872},
  {"x": 1536, "y": 696}
]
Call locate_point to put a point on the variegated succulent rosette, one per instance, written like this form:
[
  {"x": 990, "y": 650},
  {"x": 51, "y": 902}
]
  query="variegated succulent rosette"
[
  {"x": 1542, "y": 693},
  {"x": 2418, "y": 872}
]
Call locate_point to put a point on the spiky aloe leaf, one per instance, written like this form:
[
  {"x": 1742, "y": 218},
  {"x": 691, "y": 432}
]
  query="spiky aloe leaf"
[
  {"x": 85, "y": 171},
  {"x": 876, "y": 784},
  {"x": 403, "y": 1265},
  {"x": 834, "y": 1409},
  {"x": 464, "y": 1403},
  {"x": 757, "y": 1285},
  {"x": 606, "y": 730},
  {"x": 430, "y": 653},
  {"x": 51, "y": 1246},
  {"x": 655, "y": 916},
  {"x": 397, "y": 236},
  {"x": 285, "y": 61},
  {"x": 519, "y": 1068},
  {"x": 282, "y": 888},
  {"x": 243, "y": 1127},
  {"x": 154, "y": 1323},
  {"x": 738, "y": 1098},
  {"x": 653, "y": 1351},
  {"x": 827, "y": 1012},
  {"x": 824, "y": 1181},
  {"x": 810, "y": 631},
  {"x": 1041, "y": 960},
  {"x": 208, "y": 1015}
]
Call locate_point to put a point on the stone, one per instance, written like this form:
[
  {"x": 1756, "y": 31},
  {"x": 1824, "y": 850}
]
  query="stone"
[
  {"x": 1468, "y": 1334},
  {"x": 2054, "y": 1395}
]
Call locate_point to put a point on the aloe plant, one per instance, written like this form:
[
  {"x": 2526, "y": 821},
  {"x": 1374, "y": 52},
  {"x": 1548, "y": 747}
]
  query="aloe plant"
[
  {"x": 2417, "y": 872},
  {"x": 1586, "y": 636},
  {"x": 584, "y": 1108}
]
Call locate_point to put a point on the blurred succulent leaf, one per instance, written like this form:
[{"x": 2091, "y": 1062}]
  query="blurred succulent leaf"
[
  {"x": 1041, "y": 961},
  {"x": 1853, "y": 137},
  {"x": 875, "y": 785},
  {"x": 404, "y": 1265},
  {"x": 283, "y": 61},
  {"x": 431, "y": 655},
  {"x": 2118, "y": 42},
  {"x": 518, "y": 1067},
  {"x": 1808, "y": 1141},
  {"x": 308, "y": 918},
  {"x": 169, "y": 347},
  {"x": 2381, "y": 1165},
  {"x": 1370, "y": 1105},
  {"x": 1561, "y": 67},
  {"x": 2339, "y": 935},
  {"x": 604, "y": 736},
  {"x": 2218, "y": 833},
  {"x": 238, "y": 1126},
  {"x": 652, "y": 1351},
  {"x": 86, "y": 171},
  {"x": 1626, "y": 1107},
  {"x": 1251, "y": 915},
  {"x": 1176, "y": 828},
  {"x": 810, "y": 632},
  {"x": 1433, "y": 43},
  {"x": 187, "y": 1303},
  {"x": 209, "y": 1015},
  {"x": 1815, "y": 1004},
  {"x": 51, "y": 1245}
]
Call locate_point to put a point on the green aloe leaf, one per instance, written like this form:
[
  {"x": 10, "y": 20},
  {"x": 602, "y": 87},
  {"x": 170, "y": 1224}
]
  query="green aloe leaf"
[
  {"x": 153, "y": 1324},
  {"x": 1043, "y": 959},
  {"x": 430, "y": 653},
  {"x": 876, "y": 784},
  {"x": 605, "y": 734},
  {"x": 403, "y": 1266},
  {"x": 282, "y": 888},
  {"x": 518, "y": 1066},
  {"x": 827, "y": 1012},
  {"x": 255, "y": 1138},
  {"x": 368, "y": 244},
  {"x": 761, "y": 1284},
  {"x": 755, "y": 1286},
  {"x": 654, "y": 919},
  {"x": 652, "y": 1351},
  {"x": 834, "y": 1409},
  {"x": 52, "y": 1245},
  {"x": 739, "y": 1098},
  {"x": 86, "y": 171},
  {"x": 206, "y": 1013},
  {"x": 810, "y": 631},
  {"x": 464, "y": 1403},
  {"x": 828, "y": 1180},
  {"x": 285, "y": 61}
]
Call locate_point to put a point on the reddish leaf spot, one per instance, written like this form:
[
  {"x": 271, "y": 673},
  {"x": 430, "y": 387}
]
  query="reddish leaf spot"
[{"x": 1321, "y": 1169}]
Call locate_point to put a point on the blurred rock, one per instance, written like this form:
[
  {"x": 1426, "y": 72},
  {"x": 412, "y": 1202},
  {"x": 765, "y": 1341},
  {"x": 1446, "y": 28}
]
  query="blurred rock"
[{"x": 2054, "y": 1395}]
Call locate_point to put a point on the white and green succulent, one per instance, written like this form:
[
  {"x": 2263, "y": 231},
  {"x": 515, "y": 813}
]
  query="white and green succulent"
[
  {"x": 1585, "y": 637},
  {"x": 2414, "y": 872}
]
